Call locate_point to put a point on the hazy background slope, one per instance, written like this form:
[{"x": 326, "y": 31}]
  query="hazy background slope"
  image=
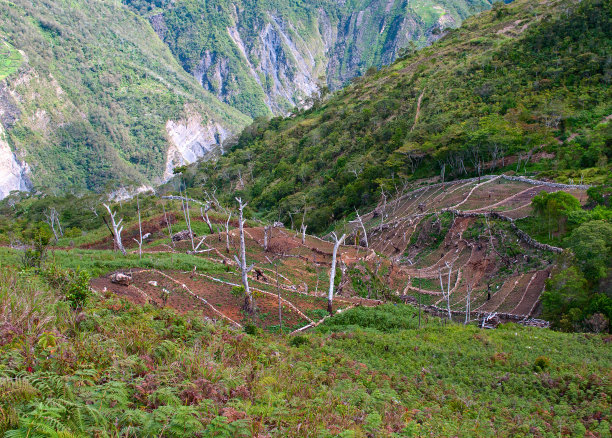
[
  {"x": 90, "y": 104},
  {"x": 265, "y": 57}
]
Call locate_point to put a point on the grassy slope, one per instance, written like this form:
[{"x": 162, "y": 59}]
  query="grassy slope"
[
  {"x": 521, "y": 78},
  {"x": 10, "y": 59},
  {"x": 119, "y": 369},
  {"x": 96, "y": 92}
]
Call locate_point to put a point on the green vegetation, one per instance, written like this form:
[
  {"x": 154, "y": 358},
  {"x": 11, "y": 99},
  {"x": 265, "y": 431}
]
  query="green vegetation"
[
  {"x": 114, "y": 369},
  {"x": 577, "y": 296},
  {"x": 256, "y": 67},
  {"x": 525, "y": 79},
  {"x": 96, "y": 94},
  {"x": 10, "y": 59},
  {"x": 554, "y": 209}
]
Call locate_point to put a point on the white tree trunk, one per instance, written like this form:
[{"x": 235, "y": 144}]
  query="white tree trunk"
[
  {"x": 446, "y": 294},
  {"x": 332, "y": 273},
  {"x": 266, "y": 237},
  {"x": 304, "y": 234},
  {"x": 139, "y": 241},
  {"x": 204, "y": 212},
  {"x": 249, "y": 306},
  {"x": 365, "y": 233},
  {"x": 227, "y": 242},
  {"x": 185, "y": 202},
  {"x": 117, "y": 229}
]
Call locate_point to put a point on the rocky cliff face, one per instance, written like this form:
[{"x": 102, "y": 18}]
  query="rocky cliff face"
[
  {"x": 89, "y": 107},
  {"x": 268, "y": 60},
  {"x": 13, "y": 173},
  {"x": 191, "y": 139}
]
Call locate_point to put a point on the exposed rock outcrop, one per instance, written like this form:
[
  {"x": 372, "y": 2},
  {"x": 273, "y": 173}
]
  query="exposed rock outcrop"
[
  {"x": 13, "y": 172},
  {"x": 191, "y": 139},
  {"x": 272, "y": 61}
]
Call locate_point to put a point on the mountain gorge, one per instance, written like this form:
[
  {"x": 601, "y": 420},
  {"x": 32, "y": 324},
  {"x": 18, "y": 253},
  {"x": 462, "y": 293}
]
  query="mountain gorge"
[
  {"x": 97, "y": 94},
  {"x": 266, "y": 58},
  {"x": 522, "y": 88},
  {"x": 425, "y": 252},
  {"x": 93, "y": 99}
]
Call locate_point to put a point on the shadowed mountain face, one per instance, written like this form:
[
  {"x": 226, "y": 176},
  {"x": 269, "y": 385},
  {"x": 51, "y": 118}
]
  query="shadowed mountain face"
[{"x": 267, "y": 57}]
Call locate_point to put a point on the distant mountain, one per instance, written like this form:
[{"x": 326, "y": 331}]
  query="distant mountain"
[
  {"x": 90, "y": 97},
  {"x": 524, "y": 87},
  {"x": 265, "y": 57}
]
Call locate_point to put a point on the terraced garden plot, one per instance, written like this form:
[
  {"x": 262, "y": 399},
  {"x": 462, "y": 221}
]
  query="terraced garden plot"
[
  {"x": 515, "y": 296},
  {"x": 10, "y": 59},
  {"x": 531, "y": 294}
]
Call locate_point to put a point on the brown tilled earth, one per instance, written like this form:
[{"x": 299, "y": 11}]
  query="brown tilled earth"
[{"x": 395, "y": 260}]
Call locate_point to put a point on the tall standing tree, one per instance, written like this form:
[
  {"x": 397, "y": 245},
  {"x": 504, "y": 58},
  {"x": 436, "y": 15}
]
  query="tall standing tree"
[
  {"x": 139, "y": 240},
  {"x": 332, "y": 272},
  {"x": 553, "y": 209},
  {"x": 117, "y": 229},
  {"x": 249, "y": 304},
  {"x": 204, "y": 212},
  {"x": 365, "y": 233}
]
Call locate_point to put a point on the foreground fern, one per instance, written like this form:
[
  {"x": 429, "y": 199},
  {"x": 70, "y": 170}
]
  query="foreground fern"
[{"x": 127, "y": 371}]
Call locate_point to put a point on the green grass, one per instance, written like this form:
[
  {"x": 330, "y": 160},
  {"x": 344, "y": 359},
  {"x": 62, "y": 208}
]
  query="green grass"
[
  {"x": 365, "y": 372},
  {"x": 10, "y": 59},
  {"x": 100, "y": 262},
  {"x": 462, "y": 381}
]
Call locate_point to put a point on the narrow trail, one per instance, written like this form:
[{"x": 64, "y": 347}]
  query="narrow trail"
[
  {"x": 418, "y": 110},
  {"x": 472, "y": 191},
  {"x": 503, "y": 201}
]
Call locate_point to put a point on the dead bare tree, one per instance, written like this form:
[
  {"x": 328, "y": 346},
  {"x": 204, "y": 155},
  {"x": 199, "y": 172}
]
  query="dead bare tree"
[
  {"x": 446, "y": 293},
  {"x": 185, "y": 205},
  {"x": 303, "y": 229},
  {"x": 382, "y": 217},
  {"x": 204, "y": 212},
  {"x": 249, "y": 305},
  {"x": 274, "y": 262},
  {"x": 139, "y": 240},
  {"x": 53, "y": 218},
  {"x": 332, "y": 272},
  {"x": 169, "y": 225},
  {"x": 117, "y": 229},
  {"x": 266, "y": 237},
  {"x": 365, "y": 233}
]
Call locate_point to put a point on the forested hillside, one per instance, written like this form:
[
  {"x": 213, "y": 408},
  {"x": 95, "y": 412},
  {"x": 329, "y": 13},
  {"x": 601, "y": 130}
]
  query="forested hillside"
[
  {"x": 265, "y": 57},
  {"x": 87, "y": 95},
  {"x": 522, "y": 88}
]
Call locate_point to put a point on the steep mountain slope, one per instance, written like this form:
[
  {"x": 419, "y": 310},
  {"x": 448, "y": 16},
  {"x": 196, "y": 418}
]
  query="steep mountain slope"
[
  {"x": 97, "y": 99},
  {"x": 267, "y": 57},
  {"x": 525, "y": 87}
]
